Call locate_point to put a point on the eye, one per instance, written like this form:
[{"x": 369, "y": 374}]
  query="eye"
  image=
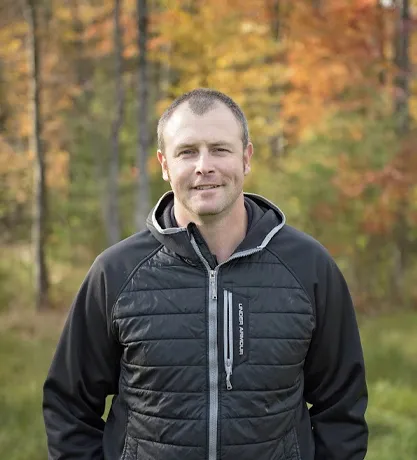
[
  {"x": 186, "y": 152},
  {"x": 221, "y": 149}
]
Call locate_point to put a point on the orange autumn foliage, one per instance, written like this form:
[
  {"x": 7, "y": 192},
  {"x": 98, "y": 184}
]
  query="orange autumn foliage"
[{"x": 335, "y": 57}]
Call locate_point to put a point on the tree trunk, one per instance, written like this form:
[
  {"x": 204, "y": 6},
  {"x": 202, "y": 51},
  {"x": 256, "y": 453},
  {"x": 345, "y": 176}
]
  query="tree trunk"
[
  {"x": 402, "y": 115},
  {"x": 4, "y": 105},
  {"x": 402, "y": 62},
  {"x": 79, "y": 71},
  {"x": 276, "y": 141},
  {"x": 143, "y": 192},
  {"x": 165, "y": 76},
  {"x": 40, "y": 198},
  {"x": 381, "y": 40},
  {"x": 112, "y": 211},
  {"x": 317, "y": 4},
  {"x": 79, "y": 126}
]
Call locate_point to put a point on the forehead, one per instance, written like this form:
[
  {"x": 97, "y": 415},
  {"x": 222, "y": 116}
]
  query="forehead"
[{"x": 218, "y": 124}]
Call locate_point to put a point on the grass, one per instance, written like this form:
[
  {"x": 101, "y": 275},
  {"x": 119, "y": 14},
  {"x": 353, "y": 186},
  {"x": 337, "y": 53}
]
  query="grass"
[
  {"x": 24, "y": 364},
  {"x": 27, "y": 343},
  {"x": 390, "y": 345}
]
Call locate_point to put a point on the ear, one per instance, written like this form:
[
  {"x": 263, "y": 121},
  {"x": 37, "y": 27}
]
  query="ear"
[
  {"x": 163, "y": 162},
  {"x": 247, "y": 155}
]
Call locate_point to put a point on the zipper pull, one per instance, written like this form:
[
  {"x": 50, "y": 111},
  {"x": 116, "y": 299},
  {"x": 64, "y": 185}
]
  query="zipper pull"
[
  {"x": 228, "y": 374},
  {"x": 213, "y": 284}
]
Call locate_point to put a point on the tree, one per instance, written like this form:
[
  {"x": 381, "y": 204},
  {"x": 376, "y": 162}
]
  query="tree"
[
  {"x": 112, "y": 211},
  {"x": 402, "y": 114},
  {"x": 278, "y": 15},
  {"x": 40, "y": 191},
  {"x": 143, "y": 193}
]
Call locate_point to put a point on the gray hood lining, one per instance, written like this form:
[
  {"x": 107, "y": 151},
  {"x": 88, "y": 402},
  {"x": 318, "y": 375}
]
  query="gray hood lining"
[{"x": 177, "y": 230}]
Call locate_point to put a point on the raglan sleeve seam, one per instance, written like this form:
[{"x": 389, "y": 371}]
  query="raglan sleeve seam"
[
  {"x": 293, "y": 274},
  {"x": 122, "y": 288}
]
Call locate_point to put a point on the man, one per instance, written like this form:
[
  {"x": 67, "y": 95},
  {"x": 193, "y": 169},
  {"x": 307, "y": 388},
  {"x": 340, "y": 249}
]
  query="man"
[{"x": 214, "y": 327}]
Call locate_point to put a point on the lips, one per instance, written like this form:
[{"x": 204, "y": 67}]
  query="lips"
[{"x": 206, "y": 187}]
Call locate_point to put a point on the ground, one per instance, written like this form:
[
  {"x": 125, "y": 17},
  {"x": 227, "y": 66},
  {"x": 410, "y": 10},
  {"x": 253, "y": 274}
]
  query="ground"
[{"x": 27, "y": 343}]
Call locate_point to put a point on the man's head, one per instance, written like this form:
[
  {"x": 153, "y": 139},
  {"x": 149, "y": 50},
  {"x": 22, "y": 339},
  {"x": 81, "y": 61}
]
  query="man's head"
[
  {"x": 204, "y": 152},
  {"x": 200, "y": 101}
]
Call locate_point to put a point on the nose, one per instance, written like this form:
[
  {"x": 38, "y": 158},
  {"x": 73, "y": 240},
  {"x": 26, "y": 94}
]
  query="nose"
[{"x": 204, "y": 163}]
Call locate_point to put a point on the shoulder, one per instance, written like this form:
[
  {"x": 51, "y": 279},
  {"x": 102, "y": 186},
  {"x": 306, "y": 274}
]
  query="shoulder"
[
  {"x": 294, "y": 244},
  {"x": 306, "y": 258},
  {"x": 130, "y": 251},
  {"x": 116, "y": 265}
]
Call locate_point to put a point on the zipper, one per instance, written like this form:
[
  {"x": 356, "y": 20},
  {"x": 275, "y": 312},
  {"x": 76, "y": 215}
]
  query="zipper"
[
  {"x": 213, "y": 284},
  {"x": 228, "y": 337},
  {"x": 213, "y": 355},
  {"x": 213, "y": 348}
]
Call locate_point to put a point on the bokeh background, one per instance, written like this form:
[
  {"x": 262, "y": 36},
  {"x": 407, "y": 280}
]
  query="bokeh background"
[{"x": 329, "y": 89}]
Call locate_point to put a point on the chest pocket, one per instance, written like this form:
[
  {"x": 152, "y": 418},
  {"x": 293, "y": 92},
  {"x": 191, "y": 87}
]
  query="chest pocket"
[{"x": 269, "y": 333}]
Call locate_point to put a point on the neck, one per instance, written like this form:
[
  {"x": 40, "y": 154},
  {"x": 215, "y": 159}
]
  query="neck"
[{"x": 222, "y": 233}]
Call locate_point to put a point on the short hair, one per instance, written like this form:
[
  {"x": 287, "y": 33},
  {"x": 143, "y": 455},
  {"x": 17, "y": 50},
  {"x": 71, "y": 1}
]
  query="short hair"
[{"x": 200, "y": 101}]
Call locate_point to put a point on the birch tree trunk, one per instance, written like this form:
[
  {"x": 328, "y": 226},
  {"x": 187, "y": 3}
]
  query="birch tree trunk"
[
  {"x": 40, "y": 198},
  {"x": 143, "y": 192}
]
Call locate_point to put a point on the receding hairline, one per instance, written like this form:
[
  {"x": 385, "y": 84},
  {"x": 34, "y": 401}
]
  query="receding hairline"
[
  {"x": 200, "y": 111},
  {"x": 198, "y": 107}
]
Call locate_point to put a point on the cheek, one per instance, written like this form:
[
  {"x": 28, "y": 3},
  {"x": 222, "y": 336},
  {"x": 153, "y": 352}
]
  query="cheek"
[
  {"x": 237, "y": 170},
  {"x": 178, "y": 176}
]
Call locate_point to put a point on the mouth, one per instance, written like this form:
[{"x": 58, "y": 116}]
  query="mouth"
[{"x": 206, "y": 187}]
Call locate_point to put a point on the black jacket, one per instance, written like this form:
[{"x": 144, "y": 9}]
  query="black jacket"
[{"x": 210, "y": 361}]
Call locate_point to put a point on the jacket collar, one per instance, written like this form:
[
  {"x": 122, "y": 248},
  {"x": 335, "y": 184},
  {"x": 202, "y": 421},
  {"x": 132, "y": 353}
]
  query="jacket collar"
[{"x": 267, "y": 221}]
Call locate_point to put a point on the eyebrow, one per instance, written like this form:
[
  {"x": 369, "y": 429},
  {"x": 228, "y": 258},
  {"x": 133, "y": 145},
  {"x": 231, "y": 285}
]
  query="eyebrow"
[{"x": 185, "y": 145}]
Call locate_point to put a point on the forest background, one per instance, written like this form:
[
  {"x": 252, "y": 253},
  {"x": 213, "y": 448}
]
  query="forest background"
[{"x": 330, "y": 92}]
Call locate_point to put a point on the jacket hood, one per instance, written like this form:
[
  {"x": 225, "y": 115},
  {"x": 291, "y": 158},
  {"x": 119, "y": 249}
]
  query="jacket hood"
[{"x": 267, "y": 220}]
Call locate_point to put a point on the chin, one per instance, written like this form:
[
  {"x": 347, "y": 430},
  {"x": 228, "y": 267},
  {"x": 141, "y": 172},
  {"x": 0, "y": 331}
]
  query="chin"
[{"x": 206, "y": 211}]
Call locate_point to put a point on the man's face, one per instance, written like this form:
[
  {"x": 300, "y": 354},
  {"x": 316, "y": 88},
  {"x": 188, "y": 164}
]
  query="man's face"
[{"x": 204, "y": 161}]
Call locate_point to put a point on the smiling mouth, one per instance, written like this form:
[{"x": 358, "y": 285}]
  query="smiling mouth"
[{"x": 206, "y": 187}]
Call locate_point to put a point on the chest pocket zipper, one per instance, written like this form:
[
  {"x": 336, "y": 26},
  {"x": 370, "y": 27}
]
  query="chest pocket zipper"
[{"x": 228, "y": 337}]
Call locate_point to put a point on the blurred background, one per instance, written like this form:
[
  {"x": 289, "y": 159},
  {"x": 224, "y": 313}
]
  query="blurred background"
[{"x": 330, "y": 92}]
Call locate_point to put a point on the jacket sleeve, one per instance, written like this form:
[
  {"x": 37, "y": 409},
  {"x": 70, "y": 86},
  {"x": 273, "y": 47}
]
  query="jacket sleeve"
[
  {"x": 84, "y": 371},
  {"x": 334, "y": 373}
]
